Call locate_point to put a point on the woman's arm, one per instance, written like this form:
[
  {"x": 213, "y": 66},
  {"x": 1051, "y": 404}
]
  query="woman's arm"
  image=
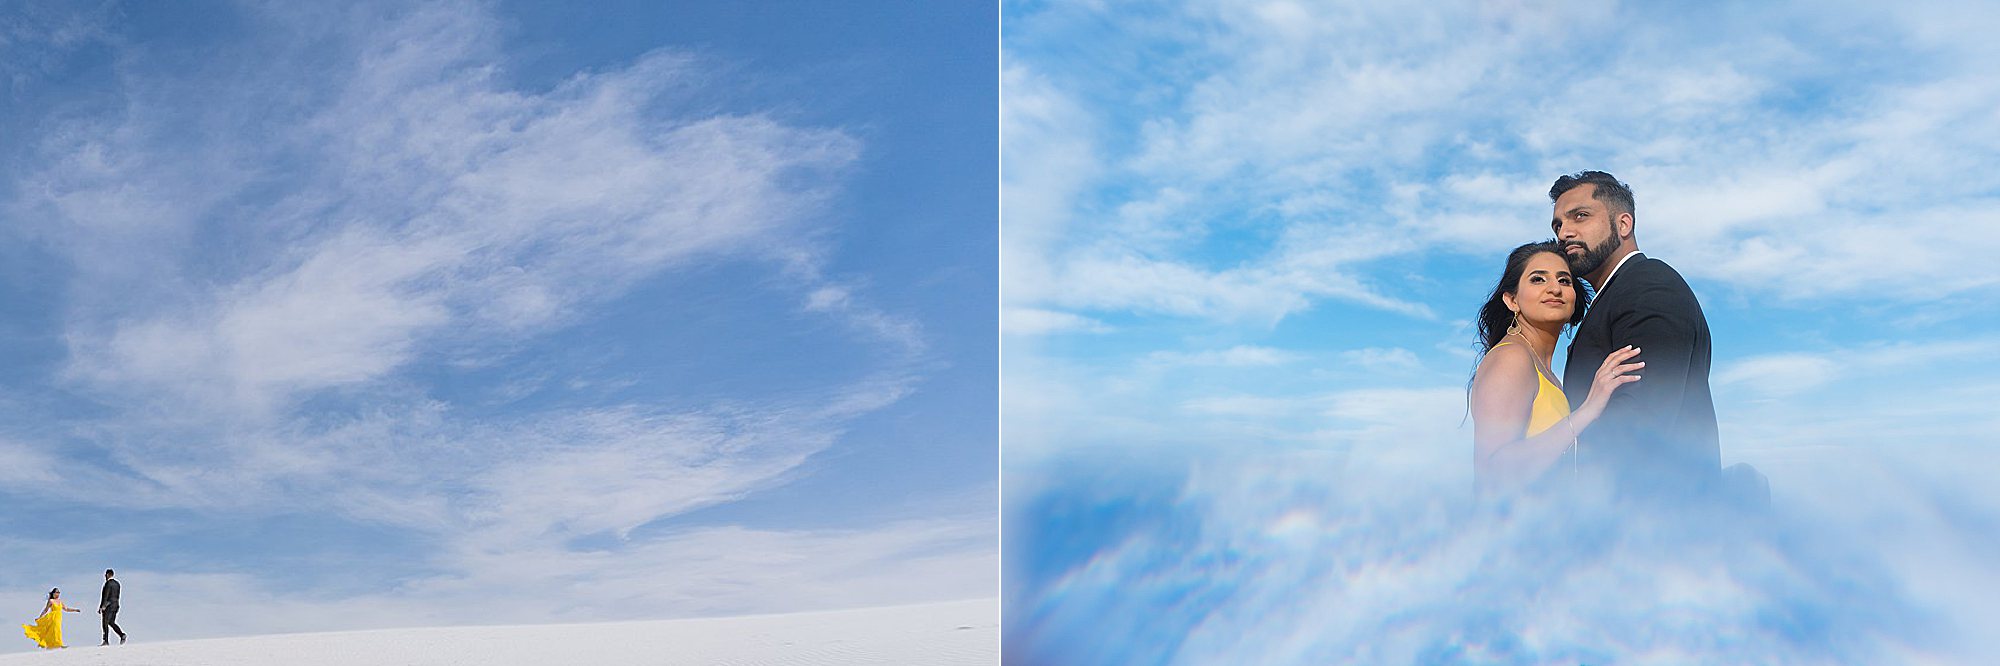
[{"x": 1503, "y": 396}]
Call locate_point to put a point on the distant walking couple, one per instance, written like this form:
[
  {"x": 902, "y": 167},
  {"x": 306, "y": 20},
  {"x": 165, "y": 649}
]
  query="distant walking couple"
[
  {"x": 46, "y": 631},
  {"x": 1633, "y": 411}
]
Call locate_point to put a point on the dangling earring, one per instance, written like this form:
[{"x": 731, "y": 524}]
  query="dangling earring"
[{"x": 1514, "y": 327}]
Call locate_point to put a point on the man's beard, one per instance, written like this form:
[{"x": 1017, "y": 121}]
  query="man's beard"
[{"x": 1593, "y": 257}]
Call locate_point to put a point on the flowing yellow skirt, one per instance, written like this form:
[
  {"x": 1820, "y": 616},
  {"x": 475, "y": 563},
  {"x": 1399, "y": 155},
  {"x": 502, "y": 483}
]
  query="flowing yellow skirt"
[{"x": 46, "y": 632}]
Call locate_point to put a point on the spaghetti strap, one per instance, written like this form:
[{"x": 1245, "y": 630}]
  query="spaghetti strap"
[
  {"x": 1549, "y": 405},
  {"x": 1542, "y": 372}
]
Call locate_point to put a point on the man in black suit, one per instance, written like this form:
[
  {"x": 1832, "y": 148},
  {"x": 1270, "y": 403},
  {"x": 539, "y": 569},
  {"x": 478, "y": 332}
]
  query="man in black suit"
[
  {"x": 1657, "y": 436},
  {"x": 107, "y": 605}
]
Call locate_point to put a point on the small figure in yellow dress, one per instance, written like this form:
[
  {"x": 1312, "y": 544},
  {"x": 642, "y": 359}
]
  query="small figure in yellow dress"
[{"x": 46, "y": 632}]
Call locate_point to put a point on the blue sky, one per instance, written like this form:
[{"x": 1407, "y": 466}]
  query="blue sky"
[
  {"x": 1242, "y": 244},
  {"x": 481, "y": 312}
]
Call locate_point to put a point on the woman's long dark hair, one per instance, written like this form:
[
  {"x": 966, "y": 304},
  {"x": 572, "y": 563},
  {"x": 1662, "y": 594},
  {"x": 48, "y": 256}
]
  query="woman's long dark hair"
[
  {"x": 52, "y": 593},
  {"x": 1494, "y": 317}
]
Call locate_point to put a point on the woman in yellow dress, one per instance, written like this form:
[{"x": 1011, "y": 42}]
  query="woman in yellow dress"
[
  {"x": 1521, "y": 421},
  {"x": 46, "y": 632}
]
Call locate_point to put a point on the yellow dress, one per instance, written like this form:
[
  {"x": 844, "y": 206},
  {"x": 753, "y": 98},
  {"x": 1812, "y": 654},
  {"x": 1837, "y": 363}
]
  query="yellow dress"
[
  {"x": 46, "y": 632},
  {"x": 1550, "y": 405}
]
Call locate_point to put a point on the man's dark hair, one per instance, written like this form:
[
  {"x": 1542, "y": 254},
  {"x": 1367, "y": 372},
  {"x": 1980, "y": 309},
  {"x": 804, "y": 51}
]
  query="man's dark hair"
[
  {"x": 107, "y": 572},
  {"x": 1615, "y": 195}
]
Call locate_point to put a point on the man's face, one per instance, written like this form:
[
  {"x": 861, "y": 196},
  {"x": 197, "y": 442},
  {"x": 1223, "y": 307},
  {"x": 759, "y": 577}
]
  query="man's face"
[{"x": 1587, "y": 229}]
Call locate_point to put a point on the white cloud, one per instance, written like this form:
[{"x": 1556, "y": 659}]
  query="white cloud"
[
  {"x": 1052, "y": 262},
  {"x": 839, "y": 300},
  {"x": 1247, "y": 406},
  {"x": 1305, "y": 555},
  {"x": 612, "y": 471},
  {"x": 1237, "y": 356},
  {"x": 1777, "y": 374},
  {"x": 1308, "y": 266},
  {"x": 1047, "y": 161},
  {"x": 1788, "y": 374},
  {"x": 1383, "y": 359},
  {"x": 1030, "y": 321},
  {"x": 27, "y": 466}
]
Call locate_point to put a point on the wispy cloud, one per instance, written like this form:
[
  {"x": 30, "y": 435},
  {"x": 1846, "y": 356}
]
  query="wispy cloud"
[
  {"x": 1300, "y": 556},
  {"x": 498, "y": 214},
  {"x": 569, "y": 475},
  {"x": 1384, "y": 149},
  {"x": 426, "y": 209},
  {"x": 27, "y": 466},
  {"x": 1030, "y": 321},
  {"x": 1240, "y": 355},
  {"x": 1379, "y": 358},
  {"x": 1778, "y": 375}
]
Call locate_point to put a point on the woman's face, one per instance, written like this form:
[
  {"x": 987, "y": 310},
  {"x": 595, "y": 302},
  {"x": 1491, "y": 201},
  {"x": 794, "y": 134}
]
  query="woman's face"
[{"x": 1546, "y": 293}]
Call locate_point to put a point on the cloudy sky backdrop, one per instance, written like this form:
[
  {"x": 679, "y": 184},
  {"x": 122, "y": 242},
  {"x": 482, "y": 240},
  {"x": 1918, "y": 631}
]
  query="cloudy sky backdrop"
[
  {"x": 1243, "y": 242},
  {"x": 322, "y": 317}
]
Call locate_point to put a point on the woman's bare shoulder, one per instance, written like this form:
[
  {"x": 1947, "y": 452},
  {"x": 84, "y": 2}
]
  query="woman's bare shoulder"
[
  {"x": 1503, "y": 365},
  {"x": 1504, "y": 385}
]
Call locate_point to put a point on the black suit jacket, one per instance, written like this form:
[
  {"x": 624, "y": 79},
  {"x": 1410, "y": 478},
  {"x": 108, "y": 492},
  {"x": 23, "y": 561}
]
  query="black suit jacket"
[
  {"x": 107, "y": 600},
  {"x": 1657, "y": 435}
]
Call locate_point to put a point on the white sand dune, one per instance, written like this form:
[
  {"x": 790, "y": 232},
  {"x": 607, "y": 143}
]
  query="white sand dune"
[{"x": 947, "y": 634}]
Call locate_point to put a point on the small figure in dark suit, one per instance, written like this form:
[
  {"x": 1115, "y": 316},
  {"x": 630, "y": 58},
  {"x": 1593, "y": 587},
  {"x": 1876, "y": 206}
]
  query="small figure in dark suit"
[
  {"x": 1657, "y": 437},
  {"x": 107, "y": 605}
]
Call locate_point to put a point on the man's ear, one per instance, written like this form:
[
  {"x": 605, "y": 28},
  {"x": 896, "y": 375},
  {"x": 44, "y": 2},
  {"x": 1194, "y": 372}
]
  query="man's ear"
[{"x": 1624, "y": 229}]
